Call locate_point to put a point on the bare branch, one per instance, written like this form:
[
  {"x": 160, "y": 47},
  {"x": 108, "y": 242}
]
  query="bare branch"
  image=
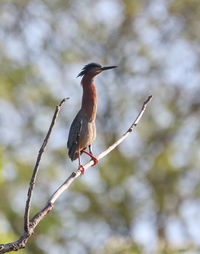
[
  {"x": 30, "y": 226},
  {"x": 74, "y": 175},
  {"x": 36, "y": 168}
]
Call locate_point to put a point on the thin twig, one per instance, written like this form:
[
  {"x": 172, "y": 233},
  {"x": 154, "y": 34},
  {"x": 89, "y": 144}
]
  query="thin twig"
[
  {"x": 21, "y": 242},
  {"x": 36, "y": 168}
]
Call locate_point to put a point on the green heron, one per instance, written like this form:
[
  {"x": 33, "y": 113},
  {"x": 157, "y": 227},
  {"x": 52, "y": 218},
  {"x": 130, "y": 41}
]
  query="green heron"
[{"x": 83, "y": 129}]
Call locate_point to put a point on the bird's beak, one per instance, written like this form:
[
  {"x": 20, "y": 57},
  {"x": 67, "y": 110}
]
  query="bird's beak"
[{"x": 108, "y": 67}]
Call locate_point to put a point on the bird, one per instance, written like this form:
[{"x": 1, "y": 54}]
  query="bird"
[{"x": 83, "y": 128}]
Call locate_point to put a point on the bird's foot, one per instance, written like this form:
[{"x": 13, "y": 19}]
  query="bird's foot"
[
  {"x": 82, "y": 169},
  {"x": 92, "y": 157},
  {"x": 95, "y": 160}
]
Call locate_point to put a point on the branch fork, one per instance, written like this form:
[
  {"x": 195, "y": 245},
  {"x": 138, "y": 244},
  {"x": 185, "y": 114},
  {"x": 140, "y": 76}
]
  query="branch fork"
[{"x": 29, "y": 225}]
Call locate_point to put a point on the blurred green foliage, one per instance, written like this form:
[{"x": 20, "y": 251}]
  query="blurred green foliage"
[{"x": 143, "y": 197}]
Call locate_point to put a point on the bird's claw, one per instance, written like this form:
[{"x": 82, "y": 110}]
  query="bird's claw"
[
  {"x": 93, "y": 158},
  {"x": 82, "y": 169},
  {"x": 95, "y": 161}
]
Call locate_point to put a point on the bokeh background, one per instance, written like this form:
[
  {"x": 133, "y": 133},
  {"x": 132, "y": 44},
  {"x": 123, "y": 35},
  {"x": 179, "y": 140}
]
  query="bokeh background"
[{"x": 144, "y": 196}]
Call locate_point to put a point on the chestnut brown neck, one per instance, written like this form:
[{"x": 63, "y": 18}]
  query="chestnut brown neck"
[{"x": 89, "y": 99}]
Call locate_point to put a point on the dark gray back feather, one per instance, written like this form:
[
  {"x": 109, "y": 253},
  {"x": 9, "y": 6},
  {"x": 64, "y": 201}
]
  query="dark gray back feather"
[{"x": 74, "y": 136}]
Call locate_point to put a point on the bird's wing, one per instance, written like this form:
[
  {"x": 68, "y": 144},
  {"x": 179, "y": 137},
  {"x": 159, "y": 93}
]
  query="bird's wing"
[{"x": 74, "y": 136}]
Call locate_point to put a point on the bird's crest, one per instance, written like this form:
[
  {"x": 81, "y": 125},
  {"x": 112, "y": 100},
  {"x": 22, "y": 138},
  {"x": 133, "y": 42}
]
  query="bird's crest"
[{"x": 87, "y": 68}]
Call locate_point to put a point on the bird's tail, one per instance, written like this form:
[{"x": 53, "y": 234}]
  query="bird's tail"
[{"x": 73, "y": 153}]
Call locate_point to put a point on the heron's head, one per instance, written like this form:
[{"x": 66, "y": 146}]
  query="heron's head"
[{"x": 93, "y": 69}]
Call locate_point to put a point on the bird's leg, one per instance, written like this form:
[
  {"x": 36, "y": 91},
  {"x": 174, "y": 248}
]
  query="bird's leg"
[
  {"x": 81, "y": 168},
  {"x": 91, "y": 156},
  {"x": 90, "y": 149}
]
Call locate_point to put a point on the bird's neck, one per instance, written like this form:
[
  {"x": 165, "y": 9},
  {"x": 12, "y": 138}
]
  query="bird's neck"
[{"x": 89, "y": 99}]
